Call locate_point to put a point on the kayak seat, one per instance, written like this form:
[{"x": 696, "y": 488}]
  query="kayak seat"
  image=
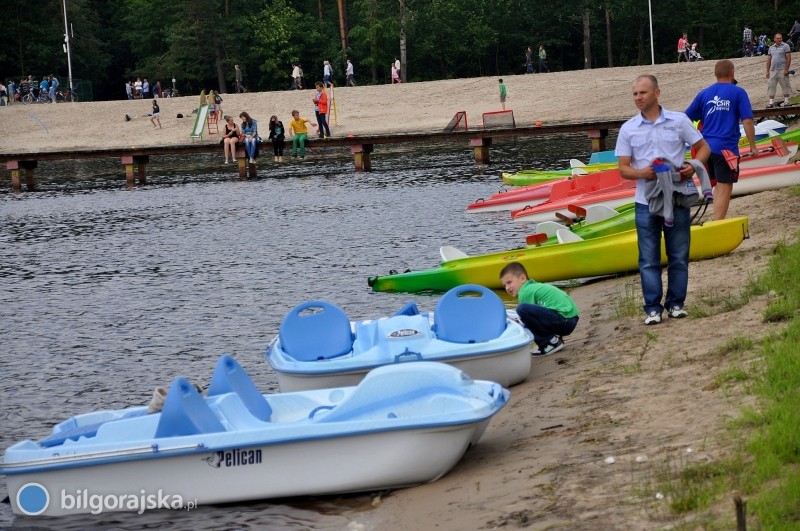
[
  {"x": 469, "y": 314},
  {"x": 448, "y": 252},
  {"x": 567, "y": 236},
  {"x": 595, "y": 213},
  {"x": 549, "y": 227},
  {"x": 316, "y": 330},
  {"x": 229, "y": 377},
  {"x": 185, "y": 412}
]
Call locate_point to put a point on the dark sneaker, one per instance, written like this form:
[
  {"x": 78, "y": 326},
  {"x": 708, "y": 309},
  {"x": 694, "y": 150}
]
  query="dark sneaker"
[
  {"x": 550, "y": 348},
  {"x": 677, "y": 312},
  {"x": 653, "y": 318}
]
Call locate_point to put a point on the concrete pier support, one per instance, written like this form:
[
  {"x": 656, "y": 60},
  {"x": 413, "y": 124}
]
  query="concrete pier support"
[
  {"x": 135, "y": 165},
  {"x": 481, "y": 148},
  {"x": 26, "y": 166},
  {"x": 361, "y": 156},
  {"x": 243, "y": 161},
  {"x": 598, "y": 138}
]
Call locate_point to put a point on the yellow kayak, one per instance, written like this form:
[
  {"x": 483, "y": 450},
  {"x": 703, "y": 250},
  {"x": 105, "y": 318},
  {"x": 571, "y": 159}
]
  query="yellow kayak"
[{"x": 607, "y": 255}]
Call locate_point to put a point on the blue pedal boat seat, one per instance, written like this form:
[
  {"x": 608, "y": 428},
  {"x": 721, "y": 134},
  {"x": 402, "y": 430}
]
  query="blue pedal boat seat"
[
  {"x": 185, "y": 412},
  {"x": 469, "y": 314},
  {"x": 230, "y": 377},
  {"x": 409, "y": 308},
  {"x": 316, "y": 330}
]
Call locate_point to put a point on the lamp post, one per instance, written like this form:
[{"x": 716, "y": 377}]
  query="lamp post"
[
  {"x": 652, "y": 49},
  {"x": 66, "y": 49}
]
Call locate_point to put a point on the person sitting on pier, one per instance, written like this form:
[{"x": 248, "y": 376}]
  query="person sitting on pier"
[
  {"x": 250, "y": 132},
  {"x": 276, "y": 134},
  {"x": 299, "y": 133},
  {"x": 230, "y": 139}
]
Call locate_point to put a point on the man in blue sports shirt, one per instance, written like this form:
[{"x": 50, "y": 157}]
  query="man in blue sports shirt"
[{"x": 721, "y": 107}]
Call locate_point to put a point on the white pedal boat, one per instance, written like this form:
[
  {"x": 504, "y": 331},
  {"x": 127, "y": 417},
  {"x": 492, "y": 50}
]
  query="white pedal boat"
[
  {"x": 402, "y": 425},
  {"x": 318, "y": 346}
]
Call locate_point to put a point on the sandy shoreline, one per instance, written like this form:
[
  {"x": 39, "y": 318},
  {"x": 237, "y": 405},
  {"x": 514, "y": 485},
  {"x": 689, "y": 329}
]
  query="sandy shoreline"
[
  {"x": 647, "y": 397},
  {"x": 414, "y": 107},
  {"x": 642, "y": 395}
]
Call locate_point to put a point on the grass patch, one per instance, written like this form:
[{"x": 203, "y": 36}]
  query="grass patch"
[
  {"x": 687, "y": 487},
  {"x": 765, "y": 463},
  {"x": 628, "y": 301}
]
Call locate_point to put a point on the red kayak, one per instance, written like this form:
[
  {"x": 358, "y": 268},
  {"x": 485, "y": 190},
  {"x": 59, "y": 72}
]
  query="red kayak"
[
  {"x": 537, "y": 193},
  {"x": 751, "y": 180}
]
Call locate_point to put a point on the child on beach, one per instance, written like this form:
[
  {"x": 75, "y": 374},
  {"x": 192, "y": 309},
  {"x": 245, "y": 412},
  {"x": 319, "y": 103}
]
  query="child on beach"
[
  {"x": 156, "y": 115},
  {"x": 544, "y": 309},
  {"x": 299, "y": 133},
  {"x": 502, "y": 94}
]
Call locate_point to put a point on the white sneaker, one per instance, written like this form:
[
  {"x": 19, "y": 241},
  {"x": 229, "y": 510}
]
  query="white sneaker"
[
  {"x": 677, "y": 312},
  {"x": 550, "y": 348},
  {"x": 652, "y": 318},
  {"x": 252, "y": 160}
]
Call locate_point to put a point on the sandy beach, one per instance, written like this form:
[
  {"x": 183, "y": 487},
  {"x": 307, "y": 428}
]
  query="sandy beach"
[
  {"x": 414, "y": 107},
  {"x": 647, "y": 397}
]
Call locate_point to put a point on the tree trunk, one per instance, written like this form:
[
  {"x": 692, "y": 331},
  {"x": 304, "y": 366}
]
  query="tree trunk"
[
  {"x": 319, "y": 9},
  {"x": 223, "y": 88},
  {"x": 403, "y": 73},
  {"x": 343, "y": 24},
  {"x": 587, "y": 45},
  {"x": 640, "y": 48},
  {"x": 608, "y": 38}
]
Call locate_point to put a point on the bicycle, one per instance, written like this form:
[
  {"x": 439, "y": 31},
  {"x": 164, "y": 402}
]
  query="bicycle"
[
  {"x": 35, "y": 96},
  {"x": 64, "y": 96}
]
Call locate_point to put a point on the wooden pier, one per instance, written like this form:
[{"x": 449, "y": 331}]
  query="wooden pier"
[{"x": 135, "y": 159}]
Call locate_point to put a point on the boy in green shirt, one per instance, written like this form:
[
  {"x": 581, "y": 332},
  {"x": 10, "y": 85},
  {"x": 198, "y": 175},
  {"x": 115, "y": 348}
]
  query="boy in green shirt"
[
  {"x": 502, "y": 94},
  {"x": 545, "y": 310}
]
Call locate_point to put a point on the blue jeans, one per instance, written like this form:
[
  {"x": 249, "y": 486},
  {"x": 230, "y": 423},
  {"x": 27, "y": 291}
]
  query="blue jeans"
[
  {"x": 676, "y": 242},
  {"x": 250, "y": 146},
  {"x": 545, "y": 323},
  {"x": 322, "y": 122}
]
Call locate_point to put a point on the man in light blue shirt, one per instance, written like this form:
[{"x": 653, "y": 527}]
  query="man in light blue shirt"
[{"x": 658, "y": 134}]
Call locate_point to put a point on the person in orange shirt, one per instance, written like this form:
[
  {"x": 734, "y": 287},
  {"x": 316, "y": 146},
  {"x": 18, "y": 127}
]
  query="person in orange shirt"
[{"x": 321, "y": 109}]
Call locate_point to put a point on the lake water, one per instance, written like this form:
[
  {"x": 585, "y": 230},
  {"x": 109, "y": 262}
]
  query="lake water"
[{"x": 107, "y": 292}]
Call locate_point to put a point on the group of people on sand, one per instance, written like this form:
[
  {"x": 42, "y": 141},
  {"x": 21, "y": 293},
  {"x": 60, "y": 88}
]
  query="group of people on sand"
[
  {"x": 655, "y": 138},
  {"x": 327, "y": 75}
]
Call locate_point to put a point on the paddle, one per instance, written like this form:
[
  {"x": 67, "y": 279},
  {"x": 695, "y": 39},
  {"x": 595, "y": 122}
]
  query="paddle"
[
  {"x": 579, "y": 211},
  {"x": 536, "y": 239},
  {"x": 566, "y": 219}
]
